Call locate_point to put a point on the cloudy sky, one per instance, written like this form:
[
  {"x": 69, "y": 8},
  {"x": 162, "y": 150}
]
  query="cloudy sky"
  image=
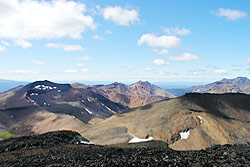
[{"x": 118, "y": 40}]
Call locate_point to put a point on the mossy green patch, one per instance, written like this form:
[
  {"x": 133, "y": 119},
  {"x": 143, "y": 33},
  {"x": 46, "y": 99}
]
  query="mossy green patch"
[{"x": 6, "y": 135}]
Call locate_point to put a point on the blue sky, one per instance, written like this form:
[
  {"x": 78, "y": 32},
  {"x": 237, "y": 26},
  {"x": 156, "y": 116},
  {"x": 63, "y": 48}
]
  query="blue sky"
[{"x": 124, "y": 41}]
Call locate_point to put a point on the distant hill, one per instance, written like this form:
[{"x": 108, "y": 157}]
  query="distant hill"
[
  {"x": 9, "y": 84},
  {"x": 237, "y": 85},
  {"x": 134, "y": 95},
  {"x": 194, "y": 121}
]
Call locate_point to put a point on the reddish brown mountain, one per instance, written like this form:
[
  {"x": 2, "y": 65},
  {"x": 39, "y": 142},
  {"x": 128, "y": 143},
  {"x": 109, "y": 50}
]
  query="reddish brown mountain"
[{"x": 135, "y": 95}]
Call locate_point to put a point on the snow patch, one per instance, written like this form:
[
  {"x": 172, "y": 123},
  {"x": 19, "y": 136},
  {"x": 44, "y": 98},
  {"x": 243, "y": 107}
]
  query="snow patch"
[
  {"x": 59, "y": 91},
  {"x": 88, "y": 111},
  {"x": 88, "y": 99},
  {"x": 185, "y": 134},
  {"x": 86, "y": 142},
  {"x": 44, "y": 87},
  {"x": 138, "y": 140},
  {"x": 108, "y": 108},
  {"x": 34, "y": 94},
  {"x": 200, "y": 118}
]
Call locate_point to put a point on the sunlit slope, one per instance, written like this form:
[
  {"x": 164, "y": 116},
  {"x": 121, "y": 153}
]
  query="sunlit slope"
[
  {"x": 209, "y": 119},
  {"x": 135, "y": 95}
]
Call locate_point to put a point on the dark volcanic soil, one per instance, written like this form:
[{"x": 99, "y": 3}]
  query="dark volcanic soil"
[{"x": 60, "y": 149}]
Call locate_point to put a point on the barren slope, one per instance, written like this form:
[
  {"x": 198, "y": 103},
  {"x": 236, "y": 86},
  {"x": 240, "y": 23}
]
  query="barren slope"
[{"x": 209, "y": 119}]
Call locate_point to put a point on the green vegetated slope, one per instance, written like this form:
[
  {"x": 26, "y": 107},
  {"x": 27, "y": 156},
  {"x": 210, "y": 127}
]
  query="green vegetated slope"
[
  {"x": 6, "y": 135},
  {"x": 209, "y": 119}
]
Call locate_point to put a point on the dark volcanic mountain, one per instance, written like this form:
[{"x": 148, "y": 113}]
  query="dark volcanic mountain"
[
  {"x": 38, "y": 102},
  {"x": 135, "y": 95},
  {"x": 194, "y": 121},
  {"x": 237, "y": 85}
]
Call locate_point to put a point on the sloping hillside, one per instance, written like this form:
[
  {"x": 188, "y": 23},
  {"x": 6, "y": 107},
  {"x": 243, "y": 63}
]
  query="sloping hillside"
[{"x": 194, "y": 121}]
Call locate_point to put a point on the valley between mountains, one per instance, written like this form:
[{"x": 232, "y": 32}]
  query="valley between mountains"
[{"x": 116, "y": 113}]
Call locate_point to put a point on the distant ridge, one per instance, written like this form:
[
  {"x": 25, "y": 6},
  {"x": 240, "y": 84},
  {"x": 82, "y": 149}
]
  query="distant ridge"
[
  {"x": 9, "y": 84},
  {"x": 134, "y": 95},
  {"x": 236, "y": 85}
]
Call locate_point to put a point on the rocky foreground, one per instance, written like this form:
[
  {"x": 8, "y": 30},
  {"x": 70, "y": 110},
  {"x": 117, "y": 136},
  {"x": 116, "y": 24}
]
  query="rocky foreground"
[{"x": 66, "y": 148}]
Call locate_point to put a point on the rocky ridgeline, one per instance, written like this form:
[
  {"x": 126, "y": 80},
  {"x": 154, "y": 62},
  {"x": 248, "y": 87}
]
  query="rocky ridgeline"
[
  {"x": 50, "y": 139},
  {"x": 64, "y": 149}
]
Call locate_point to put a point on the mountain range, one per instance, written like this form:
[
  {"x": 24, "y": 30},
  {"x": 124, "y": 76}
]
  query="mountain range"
[
  {"x": 44, "y": 106},
  {"x": 134, "y": 95},
  {"x": 38, "y": 102},
  {"x": 236, "y": 85},
  {"x": 117, "y": 113}
]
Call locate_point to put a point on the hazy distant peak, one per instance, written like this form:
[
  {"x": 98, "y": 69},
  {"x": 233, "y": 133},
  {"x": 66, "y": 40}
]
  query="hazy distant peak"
[{"x": 141, "y": 83}]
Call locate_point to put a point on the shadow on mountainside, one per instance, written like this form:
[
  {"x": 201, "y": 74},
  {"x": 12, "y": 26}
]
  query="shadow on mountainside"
[{"x": 233, "y": 106}]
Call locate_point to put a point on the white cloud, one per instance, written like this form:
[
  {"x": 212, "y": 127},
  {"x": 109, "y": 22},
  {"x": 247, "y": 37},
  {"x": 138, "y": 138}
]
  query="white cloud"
[
  {"x": 2, "y": 48},
  {"x": 5, "y": 43},
  {"x": 79, "y": 65},
  {"x": 84, "y": 70},
  {"x": 148, "y": 69},
  {"x": 33, "y": 19},
  {"x": 22, "y": 72},
  {"x": 97, "y": 37},
  {"x": 183, "y": 57},
  {"x": 230, "y": 14},
  {"x": 86, "y": 58},
  {"x": 38, "y": 62},
  {"x": 197, "y": 71},
  {"x": 24, "y": 44},
  {"x": 108, "y": 32},
  {"x": 220, "y": 71},
  {"x": 160, "y": 62},
  {"x": 177, "y": 31},
  {"x": 64, "y": 47},
  {"x": 131, "y": 67},
  {"x": 164, "y": 41},
  {"x": 70, "y": 71},
  {"x": 120, "y": 16},
  {"x": 161, "y": 52},
  {"x": 246, "y": 63},
  {"x": 162, "y": 73}
]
